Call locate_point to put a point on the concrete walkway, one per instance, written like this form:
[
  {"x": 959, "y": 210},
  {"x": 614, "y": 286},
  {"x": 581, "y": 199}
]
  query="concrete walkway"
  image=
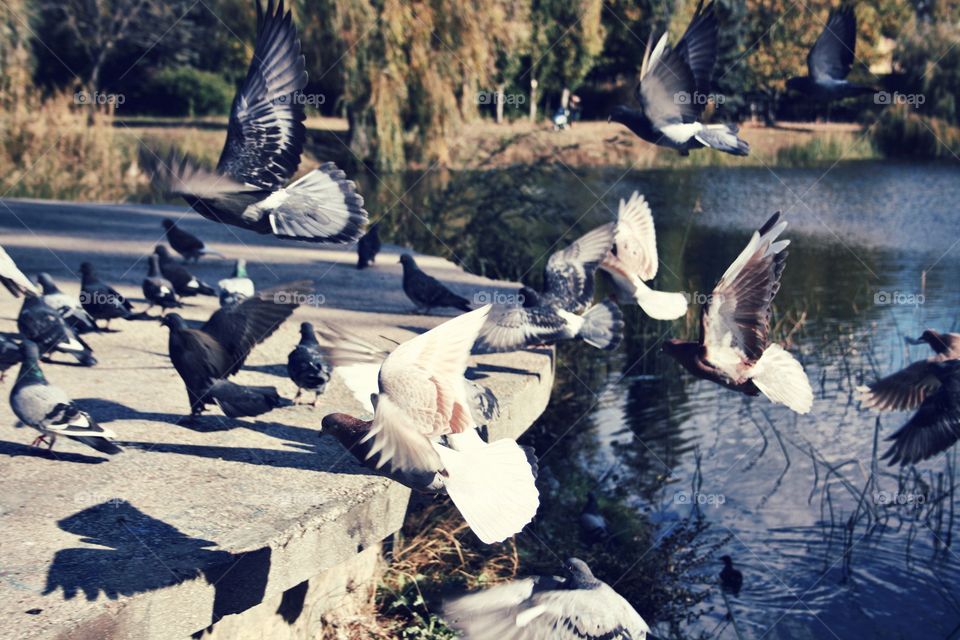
[{"x": 190, "y": 524}]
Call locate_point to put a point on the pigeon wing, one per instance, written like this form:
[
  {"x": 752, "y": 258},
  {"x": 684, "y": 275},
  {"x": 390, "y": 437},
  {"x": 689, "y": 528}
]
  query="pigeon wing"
[
  {"x": 903, "y": 390},
  {"x": 510, "y": 328},
  {"x": 569, "y": 275},
  {"x": 832, "y": 54},
  {"x": 666, "y": 90},
  {"x": 698, "y": 48},
  {"x": 934, "y": 428},
  {"x": 635, "y": 239},
  {"x": 181, "y": 175}
]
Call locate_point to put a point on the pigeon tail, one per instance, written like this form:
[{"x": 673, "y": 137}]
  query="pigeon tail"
[
  {"x": 659, "y": 305},
  {"x": 602, "y": 326},
  {"x": 723, "y": 137},
  {"x": 781, "y": 378},
  {"x": 322, "y": 206},
  {"x": 455, "y": 301}
]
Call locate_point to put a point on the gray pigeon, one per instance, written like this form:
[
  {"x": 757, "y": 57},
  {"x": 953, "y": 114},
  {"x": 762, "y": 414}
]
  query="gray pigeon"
[
  {"x": 184, "y": 283},
  {"x": 42, "y": 324},
  {"x": 576, "y": 606},
  {"x": 158, "y": 290},
  {"x": 185, "y": 243},
  {"x": 427, "y": 292},
  {"x": 830, "y": 60},
  {"x": 50, "y": 411},
  {"x": 66, "y": 305}
]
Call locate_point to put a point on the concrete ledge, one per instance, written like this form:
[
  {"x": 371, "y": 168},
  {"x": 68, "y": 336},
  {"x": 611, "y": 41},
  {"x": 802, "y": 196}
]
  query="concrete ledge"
[{"x": 194, "y": 525}]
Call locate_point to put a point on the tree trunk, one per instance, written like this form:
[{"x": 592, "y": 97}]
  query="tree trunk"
[
  {"x": 500, "y": 98},
  {"x": 533, "y": 101}
]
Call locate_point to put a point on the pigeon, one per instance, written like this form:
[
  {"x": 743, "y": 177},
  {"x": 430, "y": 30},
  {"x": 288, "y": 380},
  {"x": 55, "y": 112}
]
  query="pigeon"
[
  {"x": 66, "y": 305},
  {"x": 186, "y": 244},
  {"x": 561, "y": 312},
  {"x": 673, "y": 90},
  {"x": 41, "y": 324},
  {"x": 731, "y": 580},
  {"x": 423, "y": 397},
  {"x": 633, "y": 260},
  {"x": 368, "y": 247},
  {"x": 593, "y": 526},
  {"x": 16, "y": 282},
  {"x": 577, "y": 606},
  {"x": 830, "y": 59},
  {"x": 908, "y": 388},
  {"x": 265, "y": 137},
  {"x": 238, "y": 401},
  {"x": 935, "y": 427},
  {"x": 158, "y": 290},
  {"x": 219, "y": 348},
  {"x": 734, "y": 349},
  {"x": 237, "y": 287},
  {"x": 425, "y": 291},
  {"x": 50, "y": 411},
  {"x": 184, "y": 282},
  {"x": 306, "y": 365},
  {"x": 9, "y": 355},
  {"x": 100, "y": 300}
]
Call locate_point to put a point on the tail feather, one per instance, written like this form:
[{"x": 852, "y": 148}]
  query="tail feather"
[
  {"x": 660, "y": 305},
  {"x": 723, "y": 137},
  {"x": 602, "y": 326},
  {"x": 781, "y": 378},
  {"x": 322, "y": 206}
]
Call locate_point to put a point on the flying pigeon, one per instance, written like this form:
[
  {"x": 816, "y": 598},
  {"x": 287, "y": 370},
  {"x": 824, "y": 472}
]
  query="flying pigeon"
[
  {"x": 306, "y": 365},
  {"x": 9, "y": 355},
  {"x": 830, "y": 59},
  {"x": 424, "y": 397},
  {"x": 42, "y": 324},
  {"x": 908, "y": 388},
  {"x": 13, "y": 279},
  {"x": 734, "y": 349},
  {"x": 561, "y": 312},
  {"x": 186, "y": 244},
  {"x": 237, "y": 287},
  {"x": 731, "y": 580},
  {"x": 633, "y": 260},
  {"x": 369, "y": 246},
  {"x": 673, "y": 90},
  {"x": 427, "y": 292},
  {"x": 68, "y": 306},
  {"x": 219, "y": 348},
  {"x": 184, "y": 282},
  {"x": 577, "y": 606},
  {"x": 158, "y": 290},
  {"x": 265, "y": 137},
  {"x": 50, "y": 411},
  {"x": 100, "y": 300}
]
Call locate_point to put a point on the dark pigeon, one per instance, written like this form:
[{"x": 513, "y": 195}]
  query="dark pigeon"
[
  {"x": 731, "y": 580},
  {"x": 265, "y": 137},
  {"x": 50, "y": 411},
  {"x": 244, "y": 401},
  {"x": 42, "y": 324},
  {"x": 68, "y": 306},
  {"x": 186, "y": 244},
  {"x": 306, "y": 365},
  {"x": 593, "y": 526},
  {"x": 935, "y": 427},
  {"x": 368, "y": 247},
  {"x": 158, "y": 290},
  {"x": 9, "y": 355},
  {"x": 184, "y": 283},
  {"x": 100, "y": 300},
  {"x": 908, "y": 388},
  {"x": 427, "y": 292}
]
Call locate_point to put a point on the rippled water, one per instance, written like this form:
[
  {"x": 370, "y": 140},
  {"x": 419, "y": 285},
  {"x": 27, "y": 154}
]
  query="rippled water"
[{"x": 874, "y": 258}]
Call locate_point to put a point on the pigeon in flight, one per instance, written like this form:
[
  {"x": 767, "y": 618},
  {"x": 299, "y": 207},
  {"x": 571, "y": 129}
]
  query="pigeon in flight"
[
  {"x": 265, "y": 137},
  {"x": 184, "y": 283},
  {"x": 830, "y": 59},
  {"x": 368, "y": 247},
  {"x": 13, "y": 279},
  {"x": 423, "y": 398},
  {"x": 186, "y": 244},
  {"x": 41, "y": 324},
  {"x": 427, "y": 292},
  {"x": 633, "y": 261},
  {"x": 50, "y": 411},
  {"x": 158, "y": 290},
  {"x": 9, "y": 355},
  {"x": 100, "y": 300},
  {"x": 68, "y": 306},
  {"x": 561, "y": 312},
  {"x": 734, "y": 349},
  {"x": 577, "y": 606},
  {"x": 237, "y": 287},
  {"x": 673, "y": 90},
  {"x": 906, "y": 389},
  {"x": 306, "y": 365}
]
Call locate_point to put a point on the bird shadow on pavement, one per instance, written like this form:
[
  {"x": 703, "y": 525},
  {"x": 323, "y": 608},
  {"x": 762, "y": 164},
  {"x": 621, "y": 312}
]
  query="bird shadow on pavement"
[
  {"x": 279, "y": 370},
  {"x": 106, "y": 411},
  {"x": 15, "y": 449},
  {"x": 481, "y": 371}
]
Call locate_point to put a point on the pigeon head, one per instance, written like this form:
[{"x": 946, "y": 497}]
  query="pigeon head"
[
  {"x": 47, "y": 283},
  {"x": 29, "y": 351},
  {"x": 727, "y": 560},
  {"x": 932, "y": 338},
  {"x": 169, "y": 224},
  {"x": 86, "y": 269},
  {"x": 342, "y": 425},
  {"x": 407, "y": 260},
  {"x": 161, "y": 251},
  {"x": 528, "y": 297},
  {"x": 173, "y": 320},
  {"x": 306, "y": 332},
  {"x": 580, "y": 575}
]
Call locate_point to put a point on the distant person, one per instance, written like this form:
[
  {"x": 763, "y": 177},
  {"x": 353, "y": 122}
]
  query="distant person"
[
  {"x": 561, "y": 119},
  {"x": 575, "y": 109}
]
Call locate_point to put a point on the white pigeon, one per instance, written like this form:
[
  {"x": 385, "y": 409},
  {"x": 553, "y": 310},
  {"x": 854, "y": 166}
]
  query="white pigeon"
[
  {"x": 237, "y": 287},
  {"x": 13, "y": 279}
]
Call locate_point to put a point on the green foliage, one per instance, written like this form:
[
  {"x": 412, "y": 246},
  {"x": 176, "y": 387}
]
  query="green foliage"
[
  {"x": 185, "y": 91},
  {"x": 905, "y": 133},
  {"x": 930, "y": 59},
  {"x": 567, "y": 37}
]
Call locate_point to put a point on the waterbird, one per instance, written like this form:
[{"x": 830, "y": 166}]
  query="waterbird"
[
  {"x": 265, "y": 137},
  {"x": 734, "y": 349},
  {"x": 16, "y": 282},
  {"x": 633, "y": 261},
  {"x": 673, "y": 90},
  {"x": 908, "y": 388},
  {"x": 731, "y": 580},
  {"x": 237, "y": 287},
  {"x": 563, "y": 310},
  {"x": 575, "y": 606},
  {"x": 368, "y": 246},
  {"x": 185, "y": 243},
  {"x": 184, "y": 283},
  {"x": 158, "y": 290},
  {"x": 99, "y": 299},
  {"x": 425, "y": 291},
  {"x": 66, "y": 305},
  {"x": 40, "y": 323},
  {"x": 307, "y": 366},
  {"x": 50, "y": 411}
]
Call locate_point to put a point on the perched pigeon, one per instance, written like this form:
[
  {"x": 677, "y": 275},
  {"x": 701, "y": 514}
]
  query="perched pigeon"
[
  {"x": 13, "y": 279},
  {"x": 306, "y": 366},
  {"x": 265, "y": 137},
  {"x": 9, "y": 355},
  {"x": 50, "y": 411},
  {"x": 237, "y": 287},
  {"x": 424, "y": 397},
  {"x": 908, "y": 388},
  {"x": 100, "y": 300},
  {"x": 673, "y": 90},
  {"x": 731, "y": 580},
  {"x": 935, "y": 427},
  {"x": 68, "y": 306},
  {"x": 368, "y": 247},
  {"x": 158, "y": 290},
  {"x": 734, "y": 349},
  {"x": 238, "y": 401},
  {"x": 219, "y": 348},
  {"x": 425, "y": 291},
  {"x": 633, "y": 260},
  {"x": 830, "y": 59},
  {"x": 43, "y": 325},
  {"x": 577, "y": 606},
  {"x": 561, "y": 312},
  {"x": 593, "y": 526},
  {"x": 184, "y": 282},
  {"x": 186, "y": 244}
]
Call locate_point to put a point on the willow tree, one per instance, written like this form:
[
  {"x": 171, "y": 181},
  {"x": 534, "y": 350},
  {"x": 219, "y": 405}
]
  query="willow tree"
[{"x": 14, "y": 54}]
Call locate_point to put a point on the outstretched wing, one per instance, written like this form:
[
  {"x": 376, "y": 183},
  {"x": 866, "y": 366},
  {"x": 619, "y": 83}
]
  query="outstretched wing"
[
  {"x": 667, "y": 87},
  {"x": 935, "y": 426},
  {"x": 698, "y": 49},
  {"x": 832, "y": 54},
  {"x": 905, "y": 389},
  {"x": 509, "y": 328},
  {"x": 635, "y": 240},
  {"x": 568, "y": 276}
]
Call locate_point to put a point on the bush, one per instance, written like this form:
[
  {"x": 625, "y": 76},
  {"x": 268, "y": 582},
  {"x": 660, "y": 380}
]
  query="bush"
[
  {"x": 930, "y": 59},
  {"x": 184, "y": 91},
  {"x": 903, "y": 132}
]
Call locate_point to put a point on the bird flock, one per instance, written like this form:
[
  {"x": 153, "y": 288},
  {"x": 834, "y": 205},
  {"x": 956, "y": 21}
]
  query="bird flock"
[{"x": 425, "y": 421}]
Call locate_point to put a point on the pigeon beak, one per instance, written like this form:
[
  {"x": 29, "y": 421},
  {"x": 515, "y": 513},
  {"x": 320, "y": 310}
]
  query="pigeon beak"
[{"x": 910, "y": 340}]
